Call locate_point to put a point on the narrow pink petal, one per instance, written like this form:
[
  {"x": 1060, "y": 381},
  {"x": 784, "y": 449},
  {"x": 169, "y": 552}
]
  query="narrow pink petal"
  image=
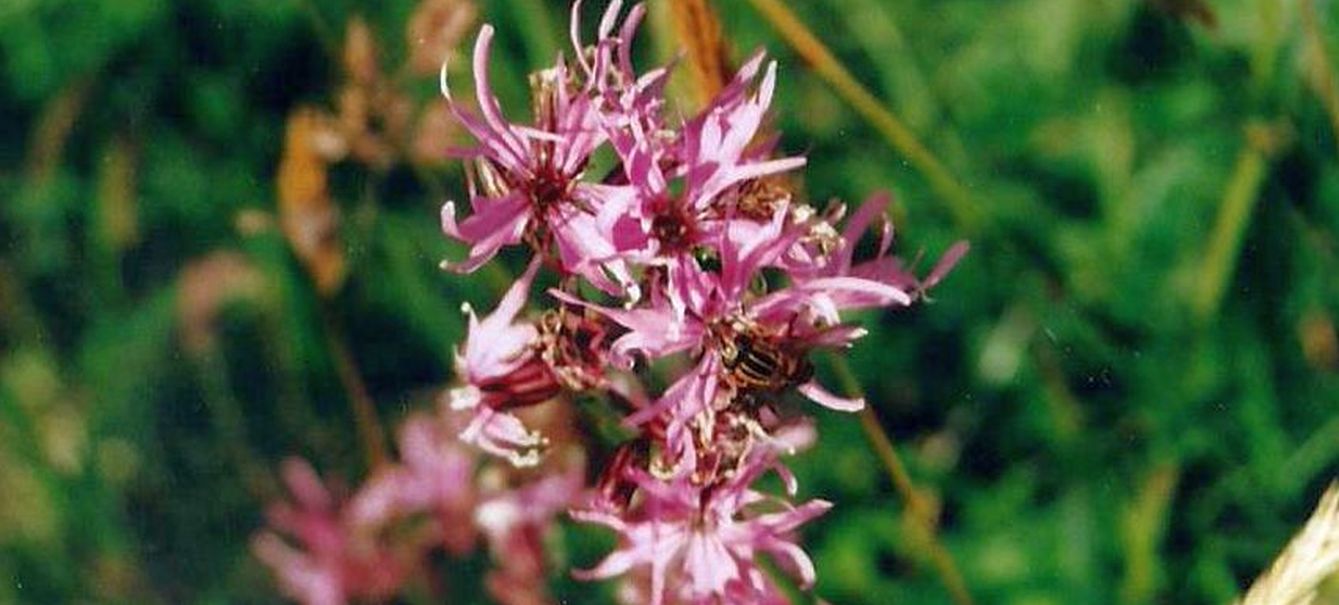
[
  {"x": 513, "y": 300},
  {"x": 574, "y": 32},
  {"x": 626, "y": 34},
  {"x": 502, "y": 222},
  {"x": 502, "y": 147},
  {"x": 708, "y": 565},
  {"x": 674, "y": 396},
  {"x": 946, "y": 264},
  {"x": 305, "y": 484},
  {"x": 859, "y": 222},
  {"x": 794, "y": 559},
  {"x": 823, "y": 397},
  {"x": 488, "y": 105},
  {"x": 609, "y": 19}
]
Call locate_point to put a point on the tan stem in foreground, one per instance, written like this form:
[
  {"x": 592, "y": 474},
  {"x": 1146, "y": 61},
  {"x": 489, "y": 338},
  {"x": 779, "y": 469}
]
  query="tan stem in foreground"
[
  {"x": 919, "y": 514},
  {"x": 1309, "y": 559}
]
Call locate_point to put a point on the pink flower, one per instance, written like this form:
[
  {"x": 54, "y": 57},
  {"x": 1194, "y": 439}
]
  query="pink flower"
[
  {"x": 705, "y": 538},
  {"x": 527, "y": 182},
  {"x": 502, "y": 370},
  {"x": 435, "y": 476},
  {"x": 674, "y": 201},
  {"x": 715, "y": 315},
  {"x": 708, "y": 267},
  {"x": 516, "y": 522},
  {"x": 327, "y": 563},
  {"x": 505, "y": 366}
]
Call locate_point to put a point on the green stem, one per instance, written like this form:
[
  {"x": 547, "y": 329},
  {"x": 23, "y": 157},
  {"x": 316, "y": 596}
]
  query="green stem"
[
  {"x": 370, "y": 431},
  {"x": 1234, "y": 213},
  {"x": 894, "y": 131}
]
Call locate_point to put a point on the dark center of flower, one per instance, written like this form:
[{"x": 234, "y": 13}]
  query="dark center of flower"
[
  {"x": 673, "y": 227},
  {"x": 548, "y": 188},
  {"x": 530, "y": 384}
]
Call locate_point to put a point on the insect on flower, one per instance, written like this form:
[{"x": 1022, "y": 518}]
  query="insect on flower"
[{"x": 755, "y": 361}]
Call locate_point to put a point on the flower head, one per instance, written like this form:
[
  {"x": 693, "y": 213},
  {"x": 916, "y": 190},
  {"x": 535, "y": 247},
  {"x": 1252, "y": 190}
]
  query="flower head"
[
  {"x": 501, "y": 370},
  {"x": 706, "y": 538},
  {"x": 327, "y": 562},
  {"x": 527, "y": 181},
  {"x": 435, "y": 476}
]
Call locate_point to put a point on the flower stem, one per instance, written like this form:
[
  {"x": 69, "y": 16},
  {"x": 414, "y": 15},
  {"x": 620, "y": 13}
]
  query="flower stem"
[
  {"x": 891, "y": 127},
  {"x": 1234, "y": 213},
  {"x": 919, "y": 512},
  {"x": 370, "y": 431}
]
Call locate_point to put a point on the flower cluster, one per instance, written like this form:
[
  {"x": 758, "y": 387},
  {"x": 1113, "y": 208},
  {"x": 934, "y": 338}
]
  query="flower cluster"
[
  {"x": 689, "y": 257},
  {"x": 690, "y": 288},
  {"x": 441, "y": 497}
]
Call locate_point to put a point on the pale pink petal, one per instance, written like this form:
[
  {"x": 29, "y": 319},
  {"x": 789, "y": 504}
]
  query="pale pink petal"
[
  {"x": 708, "y": 565},
  {"x": 946, "y": 263},
  {"x": 822, "y": 397}
]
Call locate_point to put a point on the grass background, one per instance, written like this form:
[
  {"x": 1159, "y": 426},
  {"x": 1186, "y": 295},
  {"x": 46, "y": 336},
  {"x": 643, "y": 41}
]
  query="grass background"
[{"x": 1127, "y": 393}]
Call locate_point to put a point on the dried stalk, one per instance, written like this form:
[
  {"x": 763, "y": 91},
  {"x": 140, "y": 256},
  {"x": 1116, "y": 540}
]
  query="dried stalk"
[
  {"x": 700, "y": 30},
  {"x": 1309, "y": 559}
]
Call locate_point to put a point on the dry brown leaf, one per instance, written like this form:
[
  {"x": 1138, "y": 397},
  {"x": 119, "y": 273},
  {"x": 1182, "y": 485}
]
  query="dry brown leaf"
[
  {"x": 436, "y": 126},
  {"x": 1320, "y": 344},
  {"x": 360, "y": 53},
  {"x": 1189, "y": 10},
  {"x": 307, "y": 215}
]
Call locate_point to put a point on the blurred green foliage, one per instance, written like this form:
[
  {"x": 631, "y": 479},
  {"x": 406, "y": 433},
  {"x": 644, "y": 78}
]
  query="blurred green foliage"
[{"x": 1127, "y": 393}]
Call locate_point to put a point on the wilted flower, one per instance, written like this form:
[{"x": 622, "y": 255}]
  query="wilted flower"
[{"x": 502, "y": 370}]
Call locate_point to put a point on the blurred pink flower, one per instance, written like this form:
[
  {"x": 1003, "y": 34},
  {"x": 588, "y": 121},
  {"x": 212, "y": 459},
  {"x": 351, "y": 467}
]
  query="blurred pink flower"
[
  {"x": 435, "y": 477},
  {"x": 327, "y": 562},
  {"x": 516, "y": 522}
]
